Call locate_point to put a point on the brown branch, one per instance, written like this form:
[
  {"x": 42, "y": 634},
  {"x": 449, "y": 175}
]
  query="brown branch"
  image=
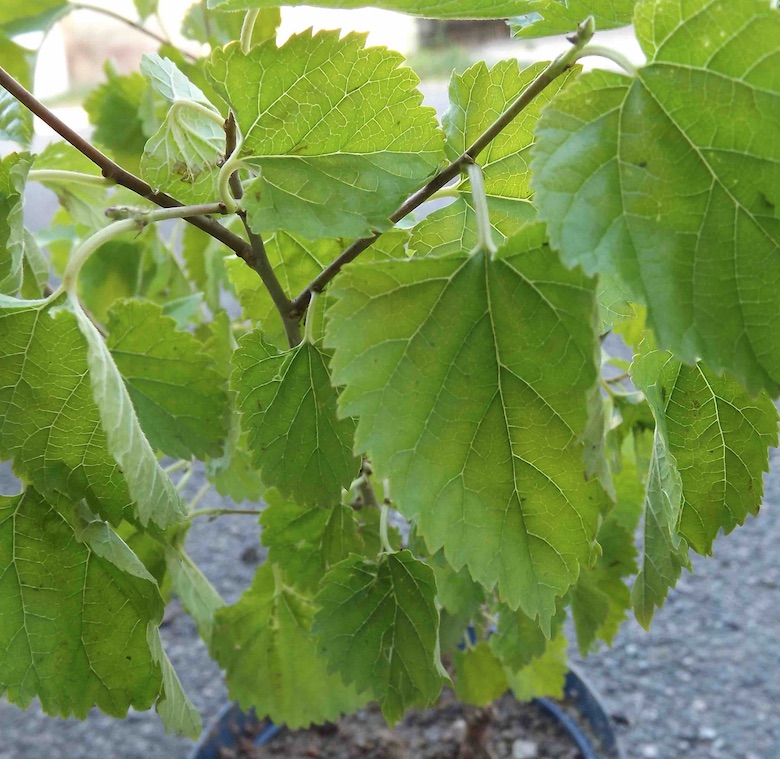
[
  {"x": 252, "y": 252},
  {"x": 260, "y": 262},
  {"x": 544, "y": 80}
]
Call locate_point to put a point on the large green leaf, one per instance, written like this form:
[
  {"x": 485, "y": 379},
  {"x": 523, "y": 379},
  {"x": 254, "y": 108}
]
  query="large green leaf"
[
  {"x": 13, "y": 175},
  {"x": 633, "y": 180},
  {"x": 337, "y": 130},
  {"x": 184, "y": 155},
  {"x": 518, "y": 639},
  {"x": 307, "y": 542},
  {"x": 270, "y": 658},
  {"x": 471, "y": 378},
  {"x": 49, "y": 423},
  {"x": 79, "y": 617},
  {"x": 176, "y": 391},
  {"x": 711, "y": 450},
  {"x": 544, "y": 676},
  {"x": 288, "y": 408},
  {"x": 425, "y": 8},
  {"x": 540, "y": 18},
  {"x": 16, "y": 123},
  {"x": 477, "y": 98},
  {"x": 378, "y": 627}
]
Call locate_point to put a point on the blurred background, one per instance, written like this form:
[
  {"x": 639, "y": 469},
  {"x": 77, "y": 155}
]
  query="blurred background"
[{"x": 703, "y": 684}]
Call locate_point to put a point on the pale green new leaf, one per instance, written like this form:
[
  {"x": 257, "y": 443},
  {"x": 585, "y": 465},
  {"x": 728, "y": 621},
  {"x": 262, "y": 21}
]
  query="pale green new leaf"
[
  {"x": 378, "y": 627},
  {"x": 477, "y": 98},
  {"x": 471, "y": 378},
  {"x": 540, "y": 18},
  {"x": 288, "y": 408},
  {"x": 151, "y": 491},
  {"x": 176, "y": 391},
  {"x": 479, "y": 677},
  {"x": 664, "y": 552},
  {"x": 424, "y": 8},
  {"x": 13, "y": 175},
  {"x": 16, "y": 123},
  {"x": 184, "y": 155},
  {"x": 306, "y": 542},
  {"x": 633, "y": 180},
  {"x": 79, "y": 611},
  {"x": 198, "y": 596},
  {"x": 336, "y": 129},
  {"x": 270, "y": 658},
  {"x": 544, "y": 676}
]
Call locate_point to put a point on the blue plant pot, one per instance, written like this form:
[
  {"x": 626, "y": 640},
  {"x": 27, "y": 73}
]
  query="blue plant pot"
[{"x": 232, "y": 722}]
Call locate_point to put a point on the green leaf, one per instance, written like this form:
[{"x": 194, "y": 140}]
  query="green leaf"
[
  {"x": 114, "y": 110},
  {"x": 270, "y": 658},
  {"x": 544, "y": 676},
  {"x": 198, "y": 596},
  {"x": 206, "y": 265},
  {"x": 307, "y": 542},
  {"x": 600, "y": 599},
  {"x": 477, "y": 98},
  {"x": 17, "y": 16},
  {"x": 336, "y": 129},
  {"x": 176, "y": 391},
  {"x": 425, "y": 8},
  {"x": 295, "y": 262},
  {"x": 541, "y": 18},
  {"x": 718, "y": 435},
  {"x": 711, "y": 450},
  {"x": 664, "y": 553},
  {"x": 519, "y": 639},
  {"x": 35, "y": 268},
  {"x": 456, "y": 591},
  {"x": 378, "y": 627},
  {"x": 487, "y": 459},
  {"x": 150, "y": 489},
  {"x": 288, "y": 408},
  {"x": 78, "y": 612},
  {"x": 633, "y": 181},
  {"x": 49, "y": 423},
  {"x": 184, "y": 155},
  {"x": 479, "y": 676},
  {"x": 145, "y": 8},
  {"x": 16, "y": 122},
  {"x": 217, "y": 27},
  {"x": 13, "y": 176}
]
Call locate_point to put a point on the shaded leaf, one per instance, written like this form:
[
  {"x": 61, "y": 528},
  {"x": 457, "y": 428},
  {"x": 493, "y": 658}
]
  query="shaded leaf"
[
  {"x": 271, "y": 661},
  {"x": 479, "y": 676},
  {"x": 378, "y": 627},
  {"x": 288, "y": 408}
]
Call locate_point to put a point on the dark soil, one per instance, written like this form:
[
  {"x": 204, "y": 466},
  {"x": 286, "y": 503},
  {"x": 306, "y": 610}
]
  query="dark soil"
[{"x": 520, "y": 731}]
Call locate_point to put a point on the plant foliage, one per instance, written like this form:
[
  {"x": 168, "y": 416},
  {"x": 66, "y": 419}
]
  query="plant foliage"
[{"x": 451, "y": 459}]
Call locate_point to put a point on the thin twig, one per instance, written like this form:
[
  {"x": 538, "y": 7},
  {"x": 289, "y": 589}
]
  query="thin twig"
[
  {"x": 260, "y": 261},
  {"x": 251, "y": 252},
  {"x": 137, "y": 25},
  {"x": 221, "y": 512},
  {"x": 545, "y": 79}
]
